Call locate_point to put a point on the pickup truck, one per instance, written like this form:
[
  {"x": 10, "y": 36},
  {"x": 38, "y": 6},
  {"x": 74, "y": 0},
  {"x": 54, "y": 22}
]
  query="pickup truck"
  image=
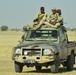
[{"x": 45, "y": 47}]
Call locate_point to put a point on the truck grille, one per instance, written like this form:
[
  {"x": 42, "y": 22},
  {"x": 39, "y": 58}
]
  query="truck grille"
[{"x": 31, "y": 52}]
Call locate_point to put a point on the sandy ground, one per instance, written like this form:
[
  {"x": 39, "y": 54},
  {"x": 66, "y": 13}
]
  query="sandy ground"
[{"x": 7, "y": 41}]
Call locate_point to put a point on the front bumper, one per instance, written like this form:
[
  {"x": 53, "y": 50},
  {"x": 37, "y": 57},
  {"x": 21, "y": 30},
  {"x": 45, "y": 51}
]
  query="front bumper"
[{"x": 34, "y": 59}]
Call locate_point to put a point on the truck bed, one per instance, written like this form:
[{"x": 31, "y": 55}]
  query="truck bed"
[{"x": 72, "y": 46}]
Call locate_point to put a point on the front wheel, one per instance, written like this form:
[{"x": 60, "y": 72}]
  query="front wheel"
[
  {"x": 38, "y": 68},
  {"x": 55, "y": 66},
  {"x": 18, "y": 67}
]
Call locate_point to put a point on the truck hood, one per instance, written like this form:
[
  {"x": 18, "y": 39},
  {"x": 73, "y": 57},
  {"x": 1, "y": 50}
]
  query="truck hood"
[{"x": 39, "y": 44}]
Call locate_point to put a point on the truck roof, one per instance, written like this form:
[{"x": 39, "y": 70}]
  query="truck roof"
[{"x": 46, "y": 29}]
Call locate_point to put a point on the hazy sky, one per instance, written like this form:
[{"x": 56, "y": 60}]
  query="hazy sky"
[{"x": 17, "y": 13}]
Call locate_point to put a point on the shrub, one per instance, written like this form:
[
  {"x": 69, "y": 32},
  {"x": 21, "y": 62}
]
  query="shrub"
[{"x": 4, "y": 28}]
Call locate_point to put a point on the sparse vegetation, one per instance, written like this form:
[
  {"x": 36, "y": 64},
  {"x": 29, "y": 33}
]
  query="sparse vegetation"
[
  {"x": 71, "y": 29},
  {"x": 4, "y": 28}
]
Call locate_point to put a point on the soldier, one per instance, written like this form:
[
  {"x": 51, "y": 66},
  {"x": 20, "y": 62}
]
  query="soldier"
[
  {"x": 39, "y": 19},
  {"x": 25, "y": 33},
  {"x": 60, "y": 18},
  {"x": 60, "y": 24},
  {"x": 52, "y": 19}
]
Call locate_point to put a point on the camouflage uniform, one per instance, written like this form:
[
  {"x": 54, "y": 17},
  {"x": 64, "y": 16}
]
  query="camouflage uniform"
[
  {"x": 38, "y": 21},
  {"x": 60, "y": 18},
  {"x": 52, "y": 19},
  {"x": 59, "y": 21},
  {"x": 41, "y": 18}
]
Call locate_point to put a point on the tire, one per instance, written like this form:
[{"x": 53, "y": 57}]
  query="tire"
[
  {"x": 70, "y": 62},
  {"x": 38, "y": 68},
  {"x": 64, "y": 63},
  {"x": 55, "y": 66},
  {"x": 18, "y": 67}
]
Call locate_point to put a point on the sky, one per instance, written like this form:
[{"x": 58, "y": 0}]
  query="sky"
[{"x": 18, "y": 13}]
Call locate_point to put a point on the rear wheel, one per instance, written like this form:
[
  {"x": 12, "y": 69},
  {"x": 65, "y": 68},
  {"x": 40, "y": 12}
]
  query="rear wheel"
[
  {"x": 55, "y": 66},
  {"x": 18, "y": 67},
  {"x": 38, "y": 68},
  {"x": 70, "y": 62},
  {"x": 64, "y": 63}
]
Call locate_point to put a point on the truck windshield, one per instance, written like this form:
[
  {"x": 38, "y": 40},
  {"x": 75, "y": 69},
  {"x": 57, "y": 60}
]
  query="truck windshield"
[{"x": 42, "y": 35}]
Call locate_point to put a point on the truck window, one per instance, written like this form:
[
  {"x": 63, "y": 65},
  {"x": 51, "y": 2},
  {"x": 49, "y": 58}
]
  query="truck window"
[
  {"x": 42, "y": 35},
  {"x": 63, "y": 36}
]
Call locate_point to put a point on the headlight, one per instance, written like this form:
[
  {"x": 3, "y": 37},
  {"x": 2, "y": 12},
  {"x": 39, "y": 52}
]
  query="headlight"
[
  {"x": 48, "y": 52},
  {"x": 18, "y": 51},
  {"x": 25, "y": 52}
]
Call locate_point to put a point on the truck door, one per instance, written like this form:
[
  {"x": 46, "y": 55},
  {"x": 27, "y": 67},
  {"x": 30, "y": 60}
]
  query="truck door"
[{"x": 63, "y": 42}]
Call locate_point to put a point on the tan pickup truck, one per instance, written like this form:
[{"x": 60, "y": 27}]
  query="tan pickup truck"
[{"x": 45, "y": 47}]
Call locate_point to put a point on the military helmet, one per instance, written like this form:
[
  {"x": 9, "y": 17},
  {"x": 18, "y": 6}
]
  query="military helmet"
[{"x": 53, "y": 8}]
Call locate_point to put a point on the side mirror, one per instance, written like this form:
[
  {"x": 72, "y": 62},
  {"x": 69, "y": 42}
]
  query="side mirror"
[{"x": 25, "y": 28}]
